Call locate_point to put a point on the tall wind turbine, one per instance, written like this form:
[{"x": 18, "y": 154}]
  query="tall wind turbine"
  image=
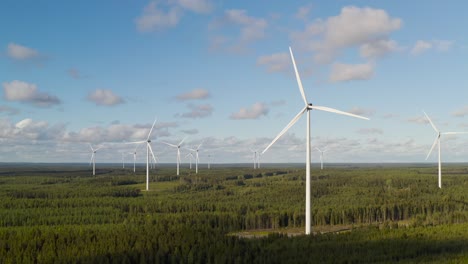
[
  {"x": 93, "y": 157},
  {"x": 307, "y": 108},
  {"x": 321, "y": 157},
  {"x": 437, "y": 141},
  {"x": 209, "y": 161},
  {"x": 178, "y": 152},
  {"x": 148, "y": 151},
  {"x": 197, "y": 159}
]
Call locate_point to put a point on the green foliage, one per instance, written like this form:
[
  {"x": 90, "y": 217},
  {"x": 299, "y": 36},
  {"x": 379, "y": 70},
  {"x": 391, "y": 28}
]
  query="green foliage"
[{"x": 390, "y": 214}]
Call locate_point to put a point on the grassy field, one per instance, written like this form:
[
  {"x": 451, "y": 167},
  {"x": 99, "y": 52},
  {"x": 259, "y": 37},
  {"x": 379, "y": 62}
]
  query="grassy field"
[{"x": 59, "y": 213}]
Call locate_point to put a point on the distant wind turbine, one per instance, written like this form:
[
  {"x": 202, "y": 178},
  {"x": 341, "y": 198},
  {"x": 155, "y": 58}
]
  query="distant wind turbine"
[
  {"x": 254, "y": 158},
  {"x": 307, "y": 108},
  {"x": 321, "y": 157},
  {"x": 93, "y": 157},
  {"x": 209, "y": 161},
  {"x": 178, "y": 152},
  {"x": 134, "y": 153},
  {"x": 148, "y": 151},
  {"x": 437, "y": 141},
  {"x": 190, "y": 155},
  {"x": 197, "y": 159}
]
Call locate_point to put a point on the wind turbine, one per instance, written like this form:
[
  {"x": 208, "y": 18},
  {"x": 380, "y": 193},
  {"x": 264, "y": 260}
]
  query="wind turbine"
[
  {"x": 321, "y": 157},
  {"x": 123, "y": 160},
  {"x": 437, "y": 141},
  {"x": 93, "y": 157},
  {"x": 197, "y": 159},
  {"x": 254, "y": 158},
  {"x": 307, "y": 108},
  {"x": 148, "y": 151},
  {"x": 178, "y": 152},
  {"x": 209, "y": 161},
  {"x": 134, "y": 153},
  {"x": 190, "y": 155}
]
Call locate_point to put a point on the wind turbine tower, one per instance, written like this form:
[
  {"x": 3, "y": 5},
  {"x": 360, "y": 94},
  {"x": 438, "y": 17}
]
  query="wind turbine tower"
[
  {"x": 93, "y": 158},
  {"x": 148, "y": 151},
  {"x": 307, "y": 108},
  {"x": 178, "y": 152},
  {"x": 437, "y": 142}
]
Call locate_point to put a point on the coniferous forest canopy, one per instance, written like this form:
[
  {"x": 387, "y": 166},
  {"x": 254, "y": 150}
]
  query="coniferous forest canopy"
[{"x": 232, "y": 215}]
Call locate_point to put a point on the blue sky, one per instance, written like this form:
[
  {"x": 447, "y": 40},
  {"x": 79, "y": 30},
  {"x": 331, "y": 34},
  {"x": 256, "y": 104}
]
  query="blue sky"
[{"x": 74, "y": 73}]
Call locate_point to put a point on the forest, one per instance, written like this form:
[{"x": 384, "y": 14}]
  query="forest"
[{"x": 63, "y": 214}]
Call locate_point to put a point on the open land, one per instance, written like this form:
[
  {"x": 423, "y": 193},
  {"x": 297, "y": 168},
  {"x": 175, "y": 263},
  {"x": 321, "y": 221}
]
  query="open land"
[{"x": 360, "y": 214}]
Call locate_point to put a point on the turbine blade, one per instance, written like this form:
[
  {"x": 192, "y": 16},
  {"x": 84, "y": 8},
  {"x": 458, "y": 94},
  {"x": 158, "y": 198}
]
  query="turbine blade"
[
  {"x": 199, "y": 145},
  {"x": 151, "y": 150},
  {"x": 298, "y": 78},
  {"x": 430, "y": 121},
  {"x": 136, "y": 142},
  {"x": 151, "y": 130},
  {"x": 91, "y": 161},
  {"x": 91, "y": 147},
  {"x": 453, "y": 133},
  {"x": 169, "y": 144},
  {"x": 318, "y": 149},
  {"x": 182, "y": 141},
  {"x": 293, "y": 121},
  {"x": 332, "y": 110},
  {"x": 433, "y": 145}
]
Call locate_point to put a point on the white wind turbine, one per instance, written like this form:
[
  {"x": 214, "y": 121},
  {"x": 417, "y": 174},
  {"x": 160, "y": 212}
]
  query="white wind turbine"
[
  {"x": 437, "y": 141},
  {"x": 197, "y": 159},
  {"x": 307, "y": 108},
  {"x": 254, "y": 158},
  {"x": 190, "y": 155},
  {"x": 148, "y": 151},
  {"x": 209, "y": 161},
  {"x": 134, "y": 153},
  {"x": 93, "y": 157},
  {"x": 321, "y": 157},
  {"x": 178, "y": 152}
]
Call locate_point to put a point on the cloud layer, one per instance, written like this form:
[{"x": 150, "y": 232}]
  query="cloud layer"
[
  {"x": 24, "y": 92},
  {"x": 104, "y": 97},
  {"x": 254, "y": 112}
]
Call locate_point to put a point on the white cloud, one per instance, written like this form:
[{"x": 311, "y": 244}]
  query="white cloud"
[
  {"x": 370, "y": 131},
  {"x": 278, "y": 62},
  {"x": 346, "y": 72},
  {"x": 195, "y": 94},
  {"x": 461, "y": 112},
  {"x": 104, "y": 97},
  {"x": 378, "y": 48},
  {"x": 418, "y": 120},
  {"x": 197, "y": 6},
  {"x": 162, "y": 15},
  {"x": 154, "y": 18},
  {"x": 198, "y": 111},
  {"x": 19, "y": 52},
  {"x": 190, "y": 131},
  {"x": 303, "y": 12},
  {"x": 422, "y": 46},
  {"x": 251, "y": 29},
  {"x": 254, "y": 112},
  {"x": 352, "y": 27},
  {"x": 28, "y": 93}
]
